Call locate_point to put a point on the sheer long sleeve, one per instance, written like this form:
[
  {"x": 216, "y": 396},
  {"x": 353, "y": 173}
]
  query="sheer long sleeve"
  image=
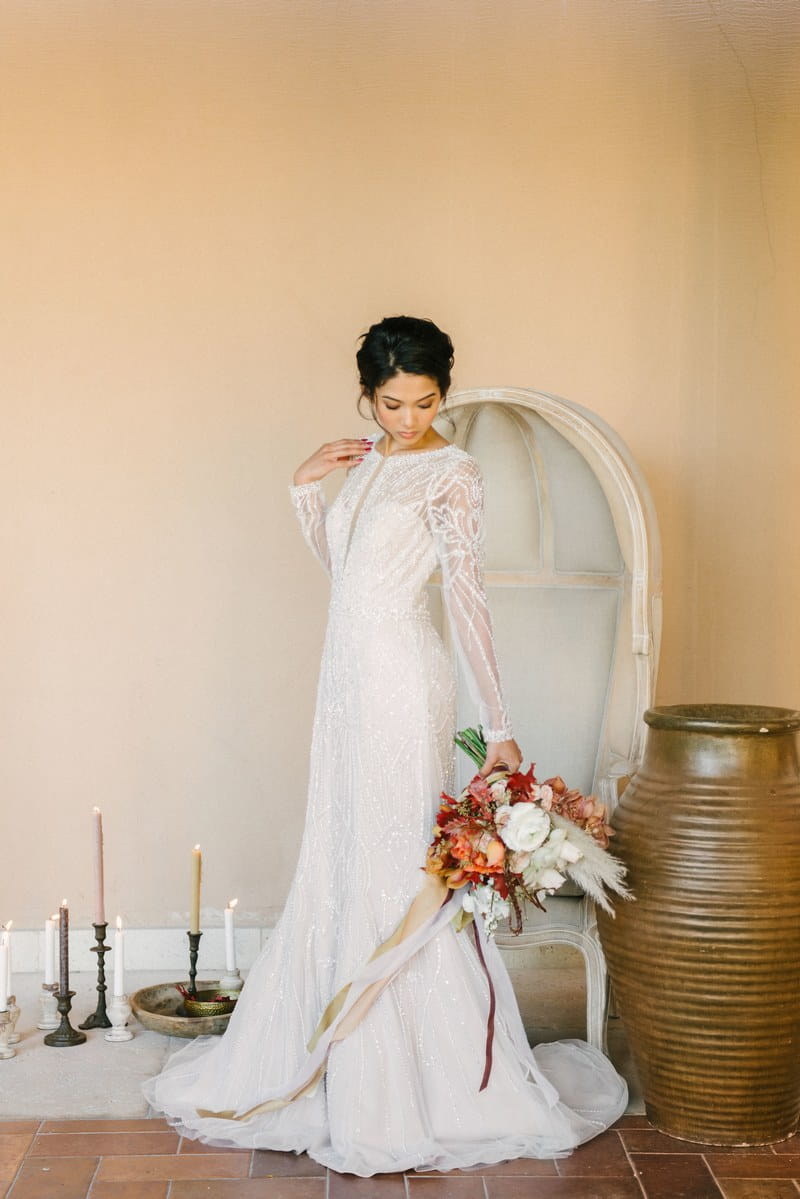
[
  {"x": 309, "y": 504},
  {"x": 457, "y": 521}
]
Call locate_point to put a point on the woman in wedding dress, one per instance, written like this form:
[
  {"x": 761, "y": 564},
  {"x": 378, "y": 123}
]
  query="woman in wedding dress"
[{"x": 401, "y": 1089}]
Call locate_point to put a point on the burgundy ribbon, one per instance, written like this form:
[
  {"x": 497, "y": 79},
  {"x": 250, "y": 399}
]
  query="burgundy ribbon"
[{"x": 487, "y": 1070}]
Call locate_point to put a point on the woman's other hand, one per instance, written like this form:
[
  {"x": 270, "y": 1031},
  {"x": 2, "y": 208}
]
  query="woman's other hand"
[
  {"x": 507, "y": 753},
  {"x": 345, "y": 453}
]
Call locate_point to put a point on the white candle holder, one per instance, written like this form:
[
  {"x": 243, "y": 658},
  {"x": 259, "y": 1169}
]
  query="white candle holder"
[
  {"x": 119, "y": 1011},
  {"x": 48, "y": 1003},
  {"x": 231, "y": 981},
  {"x": 5, "y": 1024},
  {"x": 14, "y": 1037}
]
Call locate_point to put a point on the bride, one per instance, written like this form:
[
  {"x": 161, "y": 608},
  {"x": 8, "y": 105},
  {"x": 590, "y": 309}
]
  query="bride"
[{"x": 401, "y": 1088}]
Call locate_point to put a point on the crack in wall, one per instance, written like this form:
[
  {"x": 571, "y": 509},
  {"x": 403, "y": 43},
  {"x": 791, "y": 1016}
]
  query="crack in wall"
[{"x": 756, "y": 135}]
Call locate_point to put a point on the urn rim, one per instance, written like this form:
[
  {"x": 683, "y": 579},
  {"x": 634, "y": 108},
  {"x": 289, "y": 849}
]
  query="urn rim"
[{"x": 755, "y": 719}]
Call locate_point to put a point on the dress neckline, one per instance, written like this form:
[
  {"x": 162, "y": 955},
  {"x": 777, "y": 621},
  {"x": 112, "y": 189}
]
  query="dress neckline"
[{"x": 440, "y": 449}]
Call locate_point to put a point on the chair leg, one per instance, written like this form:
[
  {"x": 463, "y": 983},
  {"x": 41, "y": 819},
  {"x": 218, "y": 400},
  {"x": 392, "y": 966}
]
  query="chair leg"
[{"x": 596, "y": 993}]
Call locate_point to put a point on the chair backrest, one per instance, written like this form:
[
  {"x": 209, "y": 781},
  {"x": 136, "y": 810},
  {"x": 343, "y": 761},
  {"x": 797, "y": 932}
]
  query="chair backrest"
[{"x": 573, "y": 576}]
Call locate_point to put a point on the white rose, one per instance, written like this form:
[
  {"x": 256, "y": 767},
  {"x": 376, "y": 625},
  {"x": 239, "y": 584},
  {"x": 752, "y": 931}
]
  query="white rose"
[
  {"x": 502, "y": 814},
  {"x": 525, "y": 828}
]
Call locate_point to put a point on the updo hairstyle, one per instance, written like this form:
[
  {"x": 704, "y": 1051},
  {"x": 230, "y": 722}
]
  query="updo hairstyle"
[{"x": 404, "y": 343}]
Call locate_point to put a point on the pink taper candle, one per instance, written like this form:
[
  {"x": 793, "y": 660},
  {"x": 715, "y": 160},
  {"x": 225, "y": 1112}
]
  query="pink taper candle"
[{"x": 99, "y": 900}]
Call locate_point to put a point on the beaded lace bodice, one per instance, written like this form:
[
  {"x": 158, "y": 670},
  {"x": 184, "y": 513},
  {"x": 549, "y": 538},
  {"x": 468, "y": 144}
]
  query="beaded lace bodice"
[{"x": 393, "y": 523}]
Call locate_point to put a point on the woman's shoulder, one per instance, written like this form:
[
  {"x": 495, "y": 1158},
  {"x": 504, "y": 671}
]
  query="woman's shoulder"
[
  {"x": 457, "y": 473},
  {"x": 458, "y": 462}
]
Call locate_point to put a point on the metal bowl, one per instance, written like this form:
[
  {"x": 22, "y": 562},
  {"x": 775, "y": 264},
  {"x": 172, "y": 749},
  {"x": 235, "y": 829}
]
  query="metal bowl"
[{"x": 206, "y": 1003}]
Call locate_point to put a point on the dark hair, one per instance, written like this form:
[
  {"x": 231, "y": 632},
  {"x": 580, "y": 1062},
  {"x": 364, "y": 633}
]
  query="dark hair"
[{"x": 404, "y": 343}]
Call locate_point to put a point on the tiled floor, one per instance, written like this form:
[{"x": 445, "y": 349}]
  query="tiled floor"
[{"x": 144, "y": 1159}]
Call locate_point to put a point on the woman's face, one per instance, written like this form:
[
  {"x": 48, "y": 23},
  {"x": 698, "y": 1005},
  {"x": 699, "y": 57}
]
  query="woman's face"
[{"x": 405, "y": 407}]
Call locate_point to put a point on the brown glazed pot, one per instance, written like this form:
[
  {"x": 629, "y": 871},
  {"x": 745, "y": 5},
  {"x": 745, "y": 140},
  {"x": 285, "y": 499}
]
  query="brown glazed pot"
[{"x": 705, "y": 962}]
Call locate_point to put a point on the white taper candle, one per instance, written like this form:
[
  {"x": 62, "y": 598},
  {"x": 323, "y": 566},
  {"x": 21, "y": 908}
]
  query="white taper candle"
[
  {"x": 119, "y": 959},
  {"x": 50, "y": 950},
  {"x": 9, "y": 987},
  {"x": 230, "y": 940},
  {"x": 3, "y": 972}
]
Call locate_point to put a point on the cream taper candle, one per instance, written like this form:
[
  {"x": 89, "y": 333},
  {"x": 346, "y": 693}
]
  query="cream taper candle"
[{"x": 194, "y": 907}]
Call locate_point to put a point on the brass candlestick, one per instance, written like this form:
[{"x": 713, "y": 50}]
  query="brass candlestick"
[
  {"x": 99, "y": 1017},
  {"x": 65, "y": 1034}
]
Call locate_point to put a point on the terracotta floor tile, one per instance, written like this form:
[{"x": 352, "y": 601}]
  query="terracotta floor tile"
[
  {"x": 529, "y": 1167},
  {"x": 54, "y": 1178},
  {"x": 382, "y": 1186},
  {"x": 675, "y": 1176},
  {"x": 105, "y": 1126},
  {"x": 130, "y": 1190},
  {"x": 790, "y": 1146},
  {"x": 13, "y": 1127},
  {"x": 103, "y": 1144},
  {"x": 267, "y": 1164},
  {"x": 632, "y": 1122},
  {"x": 563, "y": 1188},
  {"x": 754, "y": 1165},
  {"x": 642, "y": 1140},
  {"x": 190, "y": 1146},
  {"x": 647, "y": 1140},
  {"x": 251, "y": 1188},
  {"x": 603, "y": 1157},
  {"x": 12, "y": 1151},
  {"x": 440, "y": 1187},
  {"x": 177, "y": 1165},
  {"x": 759, "y": 1188}
]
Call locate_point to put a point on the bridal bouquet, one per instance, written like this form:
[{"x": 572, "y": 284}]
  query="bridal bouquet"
[{"x": 509, "y": 838}]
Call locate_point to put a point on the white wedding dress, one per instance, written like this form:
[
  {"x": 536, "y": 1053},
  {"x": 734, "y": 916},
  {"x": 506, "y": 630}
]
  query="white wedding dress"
[{"x": 402, "y": 1090}]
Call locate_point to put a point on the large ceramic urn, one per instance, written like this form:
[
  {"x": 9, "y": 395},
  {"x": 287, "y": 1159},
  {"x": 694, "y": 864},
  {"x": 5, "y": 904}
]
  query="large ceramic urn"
[{"x": 705, "y": 960}]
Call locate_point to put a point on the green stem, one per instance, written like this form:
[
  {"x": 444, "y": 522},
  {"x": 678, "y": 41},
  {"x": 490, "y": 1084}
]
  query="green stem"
[{"x": 472, "y": 743}]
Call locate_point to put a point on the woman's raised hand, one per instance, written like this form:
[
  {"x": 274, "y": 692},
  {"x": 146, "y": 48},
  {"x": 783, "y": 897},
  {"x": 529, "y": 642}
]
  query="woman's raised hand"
[
  {"x": 347, "y": 452},
  {"x": 507, "y": 753}
]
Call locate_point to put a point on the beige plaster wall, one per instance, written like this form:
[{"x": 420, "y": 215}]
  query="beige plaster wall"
[{"x": 202, "y": 205}]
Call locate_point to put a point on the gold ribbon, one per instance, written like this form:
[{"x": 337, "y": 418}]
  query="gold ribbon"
[{"x": 433, "y": 894}]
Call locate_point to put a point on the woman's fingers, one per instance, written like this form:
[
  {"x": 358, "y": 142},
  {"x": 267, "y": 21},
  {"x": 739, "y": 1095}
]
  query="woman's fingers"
[
  {"x": 346, "y": 452},
  {"x": 347, "y": 449},
  {"x": 505, "y": 754}
]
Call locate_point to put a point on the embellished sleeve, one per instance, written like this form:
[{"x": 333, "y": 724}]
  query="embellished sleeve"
[
  {"x": 457, "y": 522},
  {"x": 309, "y": 504}
]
